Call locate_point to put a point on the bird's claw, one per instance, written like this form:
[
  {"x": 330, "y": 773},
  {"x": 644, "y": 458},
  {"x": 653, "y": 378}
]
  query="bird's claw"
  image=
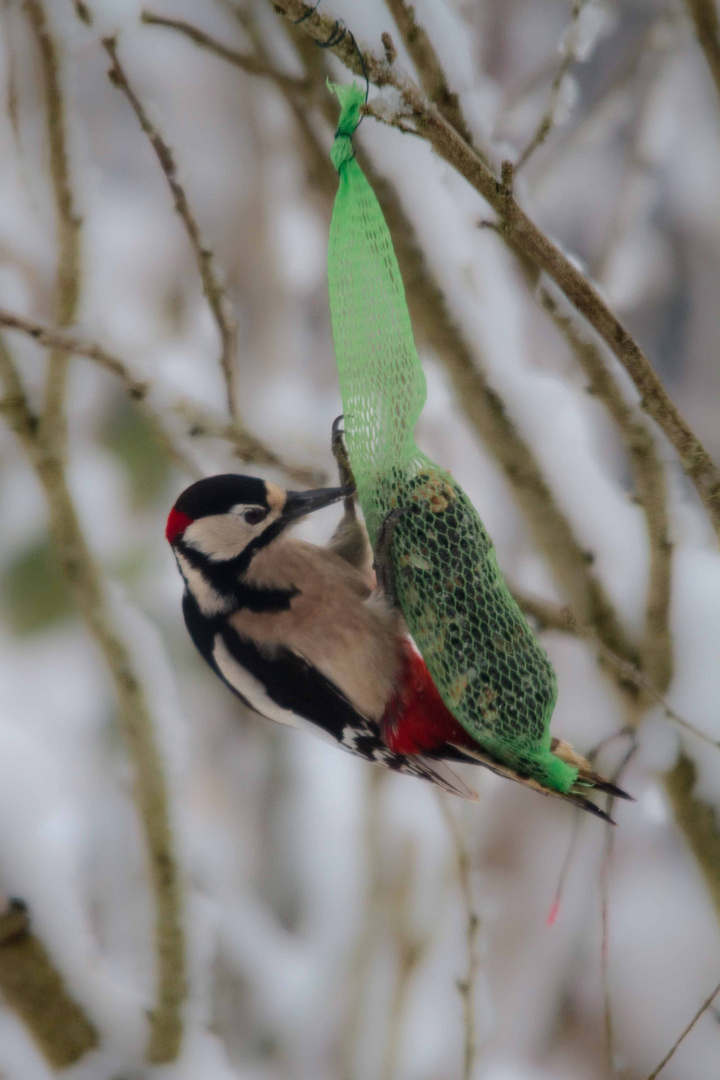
[{"x": 342, "y": 460}]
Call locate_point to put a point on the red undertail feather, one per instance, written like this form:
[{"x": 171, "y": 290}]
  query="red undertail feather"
[{"x": 417, "y": 721}]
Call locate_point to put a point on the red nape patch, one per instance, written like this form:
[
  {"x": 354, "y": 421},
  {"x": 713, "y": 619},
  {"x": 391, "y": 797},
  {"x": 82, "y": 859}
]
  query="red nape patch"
[
  {"x": 417, "y": 719},
  {"x": 177, "y": 523}
]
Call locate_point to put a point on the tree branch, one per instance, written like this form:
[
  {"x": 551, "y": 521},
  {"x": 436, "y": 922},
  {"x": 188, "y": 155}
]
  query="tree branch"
[
  {"x": 427, "y": 63},
  {"x": 568, "y": 58},
  {"x": 136, "y": 723},
  {"x": 519, "y": 230},
  {"x": 251, "y": 64},
  {"x": 466, "y": 985},
  {"x": 686, "y": 1031},
  {"x": 214, "y": 292},
  {"x": 198, "y": 422},
  {"x": 34, "y": 988},
  {"x": 649, "y": 476},
  {"x": 67, "y": 290}
]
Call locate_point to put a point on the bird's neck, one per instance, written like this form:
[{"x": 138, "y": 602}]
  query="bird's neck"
[{"x": 231, "y": 585}]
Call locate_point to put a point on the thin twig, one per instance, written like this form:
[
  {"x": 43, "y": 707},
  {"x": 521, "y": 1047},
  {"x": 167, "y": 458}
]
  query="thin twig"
[
  {"x": 68, "y": 223},
  {"x": 427, "y": 63},
  {"x": 64, "y": 341},
  {"x": 549, "y": 616},
  {"x": 703, "y": 1008},
  {"x": 521, "y": 232},
  {"x": 659, "y": 37},
  {"x": 467, "y": 985},
  {"x": 84, "y": 581},
  {"x": 212, "y": 287},
  {"x": 568, "y": 59},
  {"x": 649, "y": 476},
  {"x": 605, "y": 905},
  {"x": 253, "y": 65},
  {"x": 199, "y": 422}
]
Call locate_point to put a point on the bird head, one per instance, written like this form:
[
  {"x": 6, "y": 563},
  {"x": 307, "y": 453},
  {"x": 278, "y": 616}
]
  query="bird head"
[{"x": 223, "y": 517}]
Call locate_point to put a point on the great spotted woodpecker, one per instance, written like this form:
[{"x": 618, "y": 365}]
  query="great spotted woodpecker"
[{"x": 303, "y": 635}]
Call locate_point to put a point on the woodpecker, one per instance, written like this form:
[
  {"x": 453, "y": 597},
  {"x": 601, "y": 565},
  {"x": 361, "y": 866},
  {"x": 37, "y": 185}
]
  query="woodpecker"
[{"x": 304, "y": 635}]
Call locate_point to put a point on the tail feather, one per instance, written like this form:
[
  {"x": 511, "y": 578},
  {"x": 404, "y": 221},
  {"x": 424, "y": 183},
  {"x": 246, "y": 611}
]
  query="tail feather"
[
  {"x": 577, "y": 798},
  {"x": 441, "y": 774},
  {"x": 586, "y": 774}
]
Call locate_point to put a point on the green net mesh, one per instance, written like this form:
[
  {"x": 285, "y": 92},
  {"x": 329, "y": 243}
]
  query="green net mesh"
[{"x": 490, "y": 670}]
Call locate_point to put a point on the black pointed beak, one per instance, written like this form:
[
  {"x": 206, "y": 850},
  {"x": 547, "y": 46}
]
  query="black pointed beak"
[{"x": 300, "y": 503}]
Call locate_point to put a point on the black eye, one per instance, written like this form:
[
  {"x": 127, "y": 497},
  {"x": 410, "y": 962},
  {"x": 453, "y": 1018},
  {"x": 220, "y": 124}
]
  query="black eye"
[{"x": 254, "y": 516}]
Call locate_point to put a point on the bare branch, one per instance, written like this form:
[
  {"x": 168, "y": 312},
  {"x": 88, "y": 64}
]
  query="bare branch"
[
  {"x": 427, "y": 63},
  {"x": 548, "y": 118},
  {"x": 549, "y": 617},
  {"x": 65, "y": 342},
  {"x": 519, "y": 230},
  {"x": 605, "y": 905},
  {"x": 214, "y": 292},
  {"x": 251, "y": 64},
  {"x": 466, "y": 986},
  {"x": 649, "y": 477},
  {"x": 67, "y": 290},
  {"x": 136, "y": 722},
  {"x": 35, "y": 989},
  {"x": 671, "y": 1052},
  {"x": 198, "y": 421}
]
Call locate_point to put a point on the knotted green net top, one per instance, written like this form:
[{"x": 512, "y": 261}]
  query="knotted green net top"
[{"x": 490, "y": 670}]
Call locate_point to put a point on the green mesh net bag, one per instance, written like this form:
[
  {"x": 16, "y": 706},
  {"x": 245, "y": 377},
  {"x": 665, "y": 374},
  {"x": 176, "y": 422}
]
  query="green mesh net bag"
[{"x": 492, "y": 673}]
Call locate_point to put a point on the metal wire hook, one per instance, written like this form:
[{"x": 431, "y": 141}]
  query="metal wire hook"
[{"x": 338, "y": 32}]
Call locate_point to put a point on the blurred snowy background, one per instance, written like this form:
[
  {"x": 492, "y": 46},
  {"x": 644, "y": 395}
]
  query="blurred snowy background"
[{"x": 328, "y": 911}]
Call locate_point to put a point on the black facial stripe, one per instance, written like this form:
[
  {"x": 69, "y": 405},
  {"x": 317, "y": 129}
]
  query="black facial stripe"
[
  {"x": 242, "y": 561},
  {"x": 222, "y": 574},
  {"x": 223, "y": 578}
]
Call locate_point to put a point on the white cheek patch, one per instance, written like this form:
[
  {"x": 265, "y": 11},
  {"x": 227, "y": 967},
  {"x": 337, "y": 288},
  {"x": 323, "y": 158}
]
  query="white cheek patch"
[
  {"x": 253, "y": 691},
  {"x": 219, "y": 536},
  {"x": 209, "y": 601}
]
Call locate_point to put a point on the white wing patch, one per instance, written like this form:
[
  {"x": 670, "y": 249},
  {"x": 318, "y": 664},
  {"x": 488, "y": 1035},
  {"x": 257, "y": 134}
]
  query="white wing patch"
[
  {"x": 364, "y": 740},
  {"x": 253, "y": 691}
]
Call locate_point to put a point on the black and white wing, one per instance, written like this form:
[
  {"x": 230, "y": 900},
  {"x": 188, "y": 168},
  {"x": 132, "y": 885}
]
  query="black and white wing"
[{"x": 281, "y": 685}]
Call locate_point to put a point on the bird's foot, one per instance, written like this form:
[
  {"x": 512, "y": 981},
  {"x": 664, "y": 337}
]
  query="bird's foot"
[{"x": 342, "y": 460}]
